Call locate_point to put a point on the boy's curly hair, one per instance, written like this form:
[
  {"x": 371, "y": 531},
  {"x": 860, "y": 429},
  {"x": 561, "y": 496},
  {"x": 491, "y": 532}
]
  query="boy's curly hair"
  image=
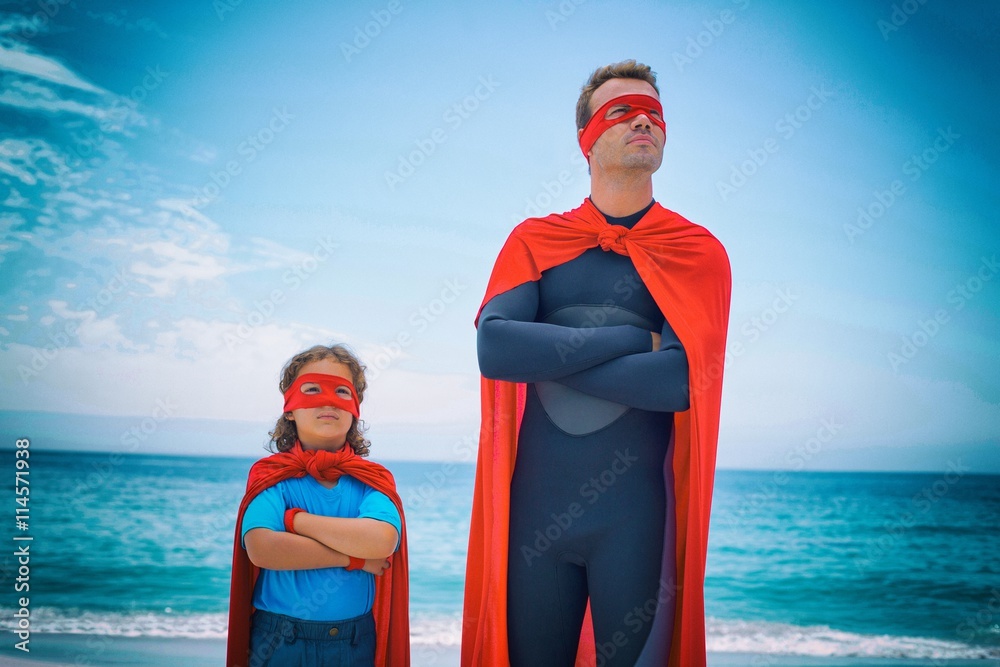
[{"x": 284, "y": 434}]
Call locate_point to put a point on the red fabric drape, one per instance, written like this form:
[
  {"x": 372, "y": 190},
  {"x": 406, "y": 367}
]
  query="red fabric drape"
[
  {"x": 687, "y": 272},
  {"x": 391, "y": 608}
]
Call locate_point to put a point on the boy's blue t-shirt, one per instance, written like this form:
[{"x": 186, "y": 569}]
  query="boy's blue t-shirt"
[{"x": 324, "y": 594}]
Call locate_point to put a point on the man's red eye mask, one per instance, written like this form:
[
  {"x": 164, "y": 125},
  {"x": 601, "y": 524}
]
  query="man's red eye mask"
[
  {"x": 639, "y": 104},
  {"x": 326, "y": 396}
]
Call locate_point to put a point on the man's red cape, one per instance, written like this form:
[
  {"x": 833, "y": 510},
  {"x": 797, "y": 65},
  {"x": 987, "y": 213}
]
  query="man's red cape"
[
  {"x": 391, "y": 608},
  {"x": 687, "y": 272}
]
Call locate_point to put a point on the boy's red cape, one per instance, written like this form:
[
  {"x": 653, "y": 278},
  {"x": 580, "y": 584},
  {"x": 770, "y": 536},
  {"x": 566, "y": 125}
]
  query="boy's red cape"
[
  {"x": 391, "y": 609},
  {"x": 687, "y": 272}
]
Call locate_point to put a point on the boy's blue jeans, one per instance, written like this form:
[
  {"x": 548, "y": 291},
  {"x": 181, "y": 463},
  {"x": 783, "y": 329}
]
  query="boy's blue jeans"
[{"x": 280, "y": 641}]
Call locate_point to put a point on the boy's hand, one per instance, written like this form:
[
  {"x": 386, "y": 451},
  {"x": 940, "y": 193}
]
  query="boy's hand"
[{"x": 376, "y": 566}]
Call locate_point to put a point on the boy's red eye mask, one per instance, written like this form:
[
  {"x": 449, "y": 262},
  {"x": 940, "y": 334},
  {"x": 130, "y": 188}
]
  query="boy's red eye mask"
[
  {"x": 326, "y": 395},
  {"x": 639, "y": 104}
]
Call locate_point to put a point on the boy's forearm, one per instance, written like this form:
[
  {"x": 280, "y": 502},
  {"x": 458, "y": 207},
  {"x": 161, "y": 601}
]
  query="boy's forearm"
[
  {"x": 278, "y": 550},
  {"x": 361, "y": 538}
]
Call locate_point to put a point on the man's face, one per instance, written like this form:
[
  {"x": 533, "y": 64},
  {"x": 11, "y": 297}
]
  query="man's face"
[{"x": 636, "y": 144}]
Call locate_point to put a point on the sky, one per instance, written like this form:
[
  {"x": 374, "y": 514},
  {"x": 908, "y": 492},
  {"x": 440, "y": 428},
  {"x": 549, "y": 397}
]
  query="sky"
[{"x": 194, "y": 192}]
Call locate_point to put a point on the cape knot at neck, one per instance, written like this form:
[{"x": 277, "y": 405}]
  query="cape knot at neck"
[
  {"x": 613, "y": 238},
  {"x": 324, "y": 465}
]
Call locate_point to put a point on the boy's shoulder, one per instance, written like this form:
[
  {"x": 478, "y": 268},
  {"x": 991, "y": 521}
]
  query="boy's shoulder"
[{"x": 346, "y": 484}]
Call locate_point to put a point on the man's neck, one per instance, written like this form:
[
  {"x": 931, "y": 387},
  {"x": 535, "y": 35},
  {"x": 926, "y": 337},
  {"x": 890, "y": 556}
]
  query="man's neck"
[{"x": 621, "y": 199}]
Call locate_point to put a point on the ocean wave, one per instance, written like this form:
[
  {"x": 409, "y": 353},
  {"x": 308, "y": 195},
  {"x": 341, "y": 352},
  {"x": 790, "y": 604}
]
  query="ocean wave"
[
  {"x": 428, "y": 632},
  {"x": 727, "y": 636},
  {"x": 122, "y": 624},
  {"x": 436, "y": 630},
  {"x": 424, "y": 630}
]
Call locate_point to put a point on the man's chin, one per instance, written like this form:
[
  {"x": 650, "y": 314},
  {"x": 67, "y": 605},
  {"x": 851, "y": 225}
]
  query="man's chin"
[{"x": 647, "y": 163}]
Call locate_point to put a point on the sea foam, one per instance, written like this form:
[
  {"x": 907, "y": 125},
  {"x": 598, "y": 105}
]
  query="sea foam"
[{"x": 427, "y": 632}]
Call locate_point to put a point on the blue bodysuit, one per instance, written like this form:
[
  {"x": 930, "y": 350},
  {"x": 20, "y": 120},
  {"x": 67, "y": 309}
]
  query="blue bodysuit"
[{"x": 589, "y": 496}]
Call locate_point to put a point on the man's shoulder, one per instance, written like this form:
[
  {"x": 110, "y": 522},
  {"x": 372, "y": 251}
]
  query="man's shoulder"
[
  {"x": 661, "y": 212},
  {"x": 669, "y": 217}
]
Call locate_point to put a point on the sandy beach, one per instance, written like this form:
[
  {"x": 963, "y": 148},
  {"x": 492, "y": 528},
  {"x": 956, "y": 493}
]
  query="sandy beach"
[{"x": 74, "y": 650}]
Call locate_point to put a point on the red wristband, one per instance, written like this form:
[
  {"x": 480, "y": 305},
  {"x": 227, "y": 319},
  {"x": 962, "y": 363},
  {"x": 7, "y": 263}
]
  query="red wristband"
[
  {"x": 356, "y": 563},
  {"x": 290, "y": 518}
]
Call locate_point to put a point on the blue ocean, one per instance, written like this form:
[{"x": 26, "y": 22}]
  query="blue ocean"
[{"x": 813, "y": 564}]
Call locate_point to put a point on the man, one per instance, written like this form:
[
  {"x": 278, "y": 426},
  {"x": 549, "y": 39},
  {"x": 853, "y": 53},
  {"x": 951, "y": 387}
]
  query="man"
[{"x": 601, "y": 341}]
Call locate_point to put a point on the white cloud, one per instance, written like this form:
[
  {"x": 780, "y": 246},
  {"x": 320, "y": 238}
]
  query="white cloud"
[
  {"x": 165, "y": 265},
  {"x": 15, "y": 200},
  {"x": 14, "y": 23},
  {"x": 45, "y": 68},
  {"x": 32, "y": 96},
  {"x": 100, "y": 200},
  {"x": 12, "y": 162},
  {"x": 209, "y": 369},
  {"x": 399, "y": 396},
  {"x": 34, "y": 161},
  {"x": 35, "y": 82},
  {"x": 93, "y": 330},
  {"x": 275, "y": 254},
  {"x": 204, "y": 154},
  {"x": 776, "y": 400},
  {"x": 215, "y": 370}
]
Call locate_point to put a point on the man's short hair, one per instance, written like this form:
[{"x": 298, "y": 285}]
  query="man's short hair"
[{"x": 626, "y": 69}]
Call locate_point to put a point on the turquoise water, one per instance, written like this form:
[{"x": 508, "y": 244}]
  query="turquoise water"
[{"x": 882, "y": 565}]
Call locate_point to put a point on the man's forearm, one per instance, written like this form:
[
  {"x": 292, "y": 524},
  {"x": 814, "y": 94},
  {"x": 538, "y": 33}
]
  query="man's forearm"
[
  {"x": 511, "y": 346},
  {"x": 656, "y": 381}
]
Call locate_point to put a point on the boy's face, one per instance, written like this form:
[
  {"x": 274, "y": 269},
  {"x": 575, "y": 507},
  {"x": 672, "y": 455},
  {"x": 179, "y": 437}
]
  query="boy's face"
[{"x": 323, "y": 427}]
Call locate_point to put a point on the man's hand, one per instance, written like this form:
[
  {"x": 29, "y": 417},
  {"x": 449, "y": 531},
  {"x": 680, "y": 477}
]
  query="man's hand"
[
  {"x": 376, "y": 566},
  {"x": 656, "y": 341}
]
